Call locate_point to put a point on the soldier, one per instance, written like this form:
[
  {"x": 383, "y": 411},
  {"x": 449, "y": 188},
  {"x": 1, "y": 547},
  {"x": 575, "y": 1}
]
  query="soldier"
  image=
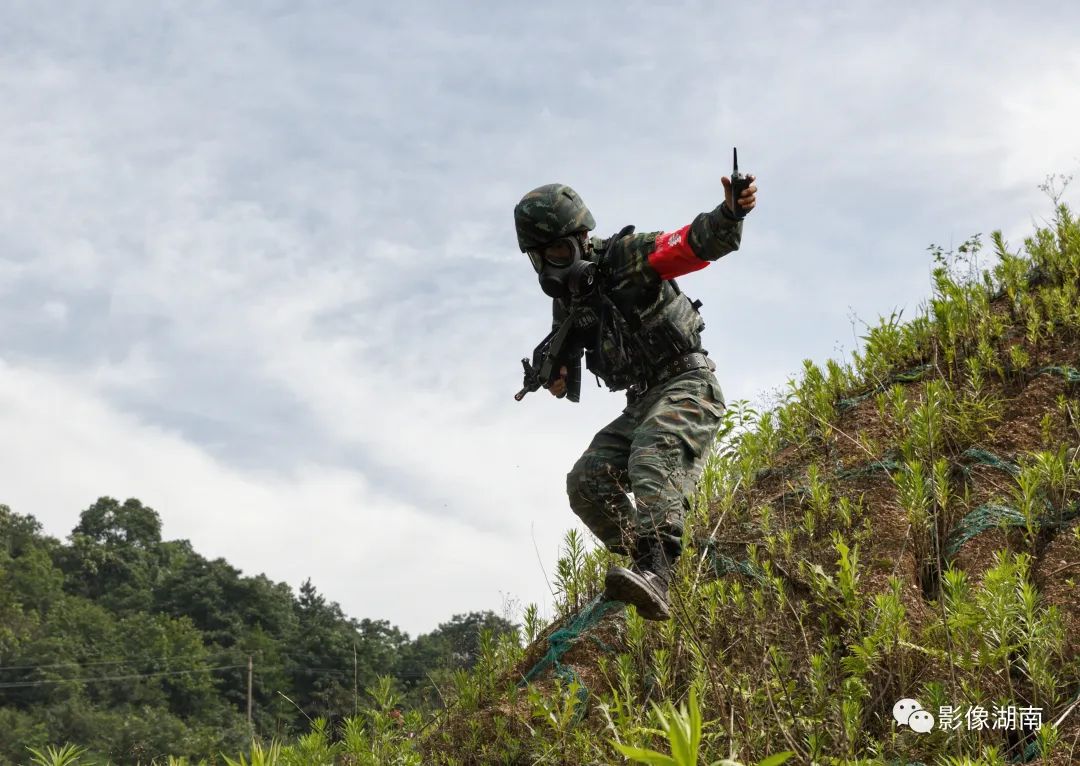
[{"x": 638, "y": 332}]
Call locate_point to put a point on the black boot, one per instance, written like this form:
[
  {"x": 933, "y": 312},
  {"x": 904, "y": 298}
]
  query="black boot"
[{"x": 645, "y": 584}]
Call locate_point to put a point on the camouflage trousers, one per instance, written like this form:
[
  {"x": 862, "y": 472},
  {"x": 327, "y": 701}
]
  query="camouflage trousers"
[{"x": 656, "y": 449}]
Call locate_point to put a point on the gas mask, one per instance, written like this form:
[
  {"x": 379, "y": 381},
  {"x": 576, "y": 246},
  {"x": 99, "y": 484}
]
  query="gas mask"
[{"x": 562, "y": 268}]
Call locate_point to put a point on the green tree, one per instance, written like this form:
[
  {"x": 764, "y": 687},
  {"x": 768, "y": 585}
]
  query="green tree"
[
  {"x": 107, "y": 522},
  {"x": 113, "y": 557},
  {"x": 451, "y": 646}
]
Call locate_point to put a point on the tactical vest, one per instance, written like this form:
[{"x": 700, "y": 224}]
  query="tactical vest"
[{"x": 630, "y": 334}]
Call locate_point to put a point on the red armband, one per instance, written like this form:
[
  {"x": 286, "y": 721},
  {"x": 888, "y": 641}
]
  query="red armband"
[{"x": 673, "y": 256}]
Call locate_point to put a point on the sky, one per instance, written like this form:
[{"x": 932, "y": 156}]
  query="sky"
[{"x": 258, "y": 266}]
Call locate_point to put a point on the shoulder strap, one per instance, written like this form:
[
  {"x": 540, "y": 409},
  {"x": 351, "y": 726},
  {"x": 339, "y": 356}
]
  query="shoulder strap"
[{"x": 625, "y": 231}]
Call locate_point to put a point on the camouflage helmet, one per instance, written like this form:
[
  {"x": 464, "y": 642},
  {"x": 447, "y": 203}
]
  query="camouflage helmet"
[{"x": 549, "y": 212}]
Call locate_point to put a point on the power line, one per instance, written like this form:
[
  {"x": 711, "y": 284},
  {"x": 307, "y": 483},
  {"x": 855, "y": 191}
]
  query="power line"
[
  {"x": 89, "y": 654},
  {"x": 282, "y": 664},
  {"x": 21, "y": 684},
  {"x": 79, "y": 663},
  {"x": 336, "y": 672},
  {"x": 283, "y": 656}
]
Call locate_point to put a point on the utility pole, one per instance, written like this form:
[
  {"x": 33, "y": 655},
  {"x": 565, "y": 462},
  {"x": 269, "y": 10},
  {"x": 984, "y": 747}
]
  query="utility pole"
[
  {"x": 251, "y": 665},
  {"x": 355, "y": 712}
]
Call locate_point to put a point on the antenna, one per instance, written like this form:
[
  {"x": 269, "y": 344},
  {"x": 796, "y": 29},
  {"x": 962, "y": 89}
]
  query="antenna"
[{"x": 739, "y": 184}]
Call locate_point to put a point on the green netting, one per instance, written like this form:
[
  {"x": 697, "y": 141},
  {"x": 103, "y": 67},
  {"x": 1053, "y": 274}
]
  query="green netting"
[
  {"x": 1055, "y": 520},
  {"x": 987, "y": 516},
  {"x": 1029, "y": 753},
  {"x": 1071, "y": 374},
  {"x": 912, "y": 375},
  {"x": 606, "y": 647},
  {"x": 996, "y": 516},
  {"x": 794, "y": 496},
  {"x": 569, "y": 675},
  {"x": 1032, "y": 748},
  {"x": 906, "y": 376},
  {"x": 590, "y": 615},
  {"x": 723, "y": 564},
  {"x": 848, "y": 402},
  {"x": 561, "y": 640},
  {"x": 872, "y": 467},
  {"x": 890, "y": 464},
  {"x": 982, "y": 457}
]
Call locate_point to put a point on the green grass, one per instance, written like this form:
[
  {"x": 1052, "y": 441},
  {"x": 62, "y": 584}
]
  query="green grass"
[{"x": 803, "y": 612}]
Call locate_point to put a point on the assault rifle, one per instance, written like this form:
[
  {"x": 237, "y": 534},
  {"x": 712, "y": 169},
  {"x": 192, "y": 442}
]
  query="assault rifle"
[
  {"x": 548, "y": 358},
  {"x": 586, "y": 288}
]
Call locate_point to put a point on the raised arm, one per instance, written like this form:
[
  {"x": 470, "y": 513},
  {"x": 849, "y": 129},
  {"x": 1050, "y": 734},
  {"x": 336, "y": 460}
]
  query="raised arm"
[
  {"x": 667, "y": 255},
  {"x": 708, "y": 238}
]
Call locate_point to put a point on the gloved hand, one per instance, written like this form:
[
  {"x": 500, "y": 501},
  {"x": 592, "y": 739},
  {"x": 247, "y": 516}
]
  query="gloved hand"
[
  {"x": 558, "y": 388},
  {"x": 746, "y": 200}
]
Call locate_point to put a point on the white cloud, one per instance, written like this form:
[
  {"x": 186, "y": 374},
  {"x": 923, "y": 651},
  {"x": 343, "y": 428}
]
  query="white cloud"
[
  {"x": 55, "y": 311},
  {"x": 271, "y": 283},
  {"x": 377, "y": 556},
  {"x": 1041, "y": 110}
]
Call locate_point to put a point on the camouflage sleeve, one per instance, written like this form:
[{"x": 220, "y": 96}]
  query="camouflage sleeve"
[
  {"x": 643, "y": 260},
  {"x": 715, "y": 234},
  {"x": 627, "y": 262}
]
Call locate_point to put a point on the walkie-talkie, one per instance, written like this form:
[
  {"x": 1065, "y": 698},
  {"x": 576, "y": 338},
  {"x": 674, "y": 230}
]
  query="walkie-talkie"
[{"x": 739, "y": 184}]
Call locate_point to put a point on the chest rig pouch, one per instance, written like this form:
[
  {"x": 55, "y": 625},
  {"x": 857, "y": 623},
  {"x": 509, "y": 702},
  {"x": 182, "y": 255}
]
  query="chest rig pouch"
[{"x": 634, "y": 332}]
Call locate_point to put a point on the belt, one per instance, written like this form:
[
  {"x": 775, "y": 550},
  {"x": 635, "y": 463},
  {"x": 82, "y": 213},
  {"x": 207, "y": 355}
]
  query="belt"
[{"x": 695, "y": 360}]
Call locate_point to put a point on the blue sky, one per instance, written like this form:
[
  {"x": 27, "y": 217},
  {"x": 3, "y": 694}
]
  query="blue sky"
[{"x": 258, "y": 266}]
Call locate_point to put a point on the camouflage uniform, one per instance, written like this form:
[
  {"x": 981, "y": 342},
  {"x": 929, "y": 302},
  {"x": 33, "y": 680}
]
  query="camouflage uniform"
[{"x": 656, "y": 447}]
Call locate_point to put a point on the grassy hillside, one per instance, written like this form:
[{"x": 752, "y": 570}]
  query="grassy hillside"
[
  {"x": 900, "y": 525},
  {"x": 903, "y": 524}
]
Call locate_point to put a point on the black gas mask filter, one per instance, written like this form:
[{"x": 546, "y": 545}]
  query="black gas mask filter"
[{"x": 562, "y": 269}]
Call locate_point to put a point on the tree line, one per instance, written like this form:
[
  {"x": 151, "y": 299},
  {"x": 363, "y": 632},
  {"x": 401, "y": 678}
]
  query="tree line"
[{"x": 130, "y": 644}]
